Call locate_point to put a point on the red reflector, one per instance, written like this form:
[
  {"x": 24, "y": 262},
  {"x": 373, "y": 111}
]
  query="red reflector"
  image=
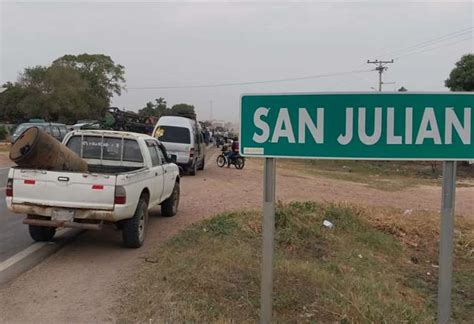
[
  {"x": 32, "y": 182},
  {"x": 9, "y": 188},
  {"x": 120, "y": 200},
  {"x": 98, "y": 187}
]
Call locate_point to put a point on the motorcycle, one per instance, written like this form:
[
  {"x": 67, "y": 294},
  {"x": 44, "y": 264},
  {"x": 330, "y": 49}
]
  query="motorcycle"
[{"x": 223, "y": 159}]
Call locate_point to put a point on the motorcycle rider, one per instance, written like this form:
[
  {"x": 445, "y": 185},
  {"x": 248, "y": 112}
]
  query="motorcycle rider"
[{"x": 234, "y": 152}]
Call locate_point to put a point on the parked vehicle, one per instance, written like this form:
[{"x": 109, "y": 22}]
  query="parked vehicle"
[
  {"x": 56, "y": 130},
  {"x": 86, "y": 125},
  {"x": 223, "y": 159},
  {"x": 182, "y": 137},
  {"x": 128, "y": 174}
]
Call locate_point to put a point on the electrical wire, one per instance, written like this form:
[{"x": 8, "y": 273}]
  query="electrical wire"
[
  {"x": 433, "y": 41},
  {"x": 434, "y": 48},
  {"x": 230, "y": 84},
  {"x": 410, "y": 50}
]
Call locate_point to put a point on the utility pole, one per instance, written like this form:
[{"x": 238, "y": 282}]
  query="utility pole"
[{"x": 380, "y": 67}]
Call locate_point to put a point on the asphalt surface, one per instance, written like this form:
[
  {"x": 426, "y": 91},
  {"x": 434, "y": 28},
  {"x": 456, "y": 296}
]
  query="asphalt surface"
[{"x": 14, "y": 236}]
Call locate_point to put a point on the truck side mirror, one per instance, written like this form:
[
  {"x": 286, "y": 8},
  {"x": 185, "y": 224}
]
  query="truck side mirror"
[{"x": 173, "y": 158}]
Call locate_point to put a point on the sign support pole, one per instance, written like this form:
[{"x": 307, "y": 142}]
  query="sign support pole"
[
  {"x": 268, "y": 229},
  {"x": 446, "y": 242}
]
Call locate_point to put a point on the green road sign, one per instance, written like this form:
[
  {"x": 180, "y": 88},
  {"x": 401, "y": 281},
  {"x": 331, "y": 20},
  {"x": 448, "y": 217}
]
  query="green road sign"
[{"x": 380, "y": 126}]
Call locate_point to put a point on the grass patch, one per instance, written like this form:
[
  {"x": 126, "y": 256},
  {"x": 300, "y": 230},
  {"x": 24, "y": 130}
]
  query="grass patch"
[
  {"x": 384, "y": 175},
  {"x": 375, "y": 265}
]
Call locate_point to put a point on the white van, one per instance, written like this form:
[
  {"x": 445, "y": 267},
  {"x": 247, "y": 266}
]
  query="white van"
[{"x": 182, "y": 137}]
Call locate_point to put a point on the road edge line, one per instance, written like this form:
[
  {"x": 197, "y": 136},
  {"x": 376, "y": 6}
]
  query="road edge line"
[{"x": 28, "y": 258}]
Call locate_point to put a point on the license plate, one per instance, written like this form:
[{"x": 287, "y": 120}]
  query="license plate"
[{"x": 62, "y": 215}]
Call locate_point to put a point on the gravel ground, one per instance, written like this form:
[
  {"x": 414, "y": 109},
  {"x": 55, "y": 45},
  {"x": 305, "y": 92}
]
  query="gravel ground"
[{"x": 81, "y": 282}]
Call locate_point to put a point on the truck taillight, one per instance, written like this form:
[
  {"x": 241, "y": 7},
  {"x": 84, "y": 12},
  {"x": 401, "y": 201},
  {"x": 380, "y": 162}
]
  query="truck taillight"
[
  {"x": 191, "y": 153},
  {"x": 120, "y": 195},
  {"x": 9, "y": 188}
]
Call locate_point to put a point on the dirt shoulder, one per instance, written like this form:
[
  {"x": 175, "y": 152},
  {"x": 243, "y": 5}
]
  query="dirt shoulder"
[
  {"x": 5, "y": 161},
  {"x": 81, "y": 283}
]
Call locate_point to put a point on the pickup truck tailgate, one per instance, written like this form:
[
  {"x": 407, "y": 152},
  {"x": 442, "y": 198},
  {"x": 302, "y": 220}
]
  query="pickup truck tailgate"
[{"x": 64, "y": 189}]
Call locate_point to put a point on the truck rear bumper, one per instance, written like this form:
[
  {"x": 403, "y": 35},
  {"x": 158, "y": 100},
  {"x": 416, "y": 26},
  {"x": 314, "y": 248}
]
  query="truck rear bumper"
[
  {"x": 51, "y": 223},
  {"x": 83, "y": 214}
]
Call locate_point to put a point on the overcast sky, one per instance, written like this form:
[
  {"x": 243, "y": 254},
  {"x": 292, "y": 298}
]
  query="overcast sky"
[{"x": 182, "y": 44}]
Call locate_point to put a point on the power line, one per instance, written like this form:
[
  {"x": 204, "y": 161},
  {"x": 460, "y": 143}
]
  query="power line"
[
  {"x": 434, "y": 48},
  {"x": 435, "y": 43},
  {"x": 413, "y": 49},
  {"x": 452, "y": 35},
  {"x": 423, "y": 47},
  {"x": 230, "y": 84}
]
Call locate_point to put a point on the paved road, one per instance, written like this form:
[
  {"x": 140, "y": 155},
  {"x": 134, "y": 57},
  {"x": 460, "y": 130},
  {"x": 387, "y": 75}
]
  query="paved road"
[{"x": 14, "y": 235}]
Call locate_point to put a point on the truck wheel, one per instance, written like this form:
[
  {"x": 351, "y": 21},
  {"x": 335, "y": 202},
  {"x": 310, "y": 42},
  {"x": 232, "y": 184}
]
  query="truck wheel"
[
  {"x": 201, "y": 167},
  {"x": 134, "y": 229},
  {"x": 41, "y": 233},
  {"x": 169, "y": 207},
  {"x": 193, "y": 169}
]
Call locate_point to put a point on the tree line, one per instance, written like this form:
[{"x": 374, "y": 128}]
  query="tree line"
[
  {"x": 81, "y": 86},
  {"x": 159, "y": 108},
  {"x": 71, "y": 88}
]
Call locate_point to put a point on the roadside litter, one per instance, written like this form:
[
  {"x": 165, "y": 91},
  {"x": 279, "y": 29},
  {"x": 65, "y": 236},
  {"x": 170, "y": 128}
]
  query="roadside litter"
[{"x": 328, "y": 224}]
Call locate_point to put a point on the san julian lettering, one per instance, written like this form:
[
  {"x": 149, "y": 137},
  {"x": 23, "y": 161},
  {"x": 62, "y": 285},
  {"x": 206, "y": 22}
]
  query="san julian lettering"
[{"x": 356, "y": 126}]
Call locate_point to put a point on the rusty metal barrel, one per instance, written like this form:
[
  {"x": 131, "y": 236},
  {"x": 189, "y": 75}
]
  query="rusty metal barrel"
[{"x": 36, "y": 149}]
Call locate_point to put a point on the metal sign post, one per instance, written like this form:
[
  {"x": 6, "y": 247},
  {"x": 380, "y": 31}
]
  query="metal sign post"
[
  {"x": 268, "y": 225},
  {"x": 446, "y": 242},
  {"x": 359, "y": 126}
]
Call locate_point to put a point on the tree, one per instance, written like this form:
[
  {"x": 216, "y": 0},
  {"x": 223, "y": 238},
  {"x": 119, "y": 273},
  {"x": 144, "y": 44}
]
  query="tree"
[
  {"x": 402, "y": 89},
  {"x": 56, "y": 93},
  {"x": 9, "y": 100},
  {"x": 461, "y": 77},
  {"x": 105, "y": 78},
  {"x": 148, "y": 110},
  {"x": 152, "y": 109},
  {"x": 72, "y": 88},
  {"x": 183, "y": 109},
  {"x": 161, "y": 106}
]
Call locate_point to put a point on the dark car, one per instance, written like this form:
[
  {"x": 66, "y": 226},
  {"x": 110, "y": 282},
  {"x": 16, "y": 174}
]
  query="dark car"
[{"x": 56, "y": 130}]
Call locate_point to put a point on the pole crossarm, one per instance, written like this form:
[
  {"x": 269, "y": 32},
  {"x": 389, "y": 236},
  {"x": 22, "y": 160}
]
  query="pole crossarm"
[{"x": 381, "y": 66}]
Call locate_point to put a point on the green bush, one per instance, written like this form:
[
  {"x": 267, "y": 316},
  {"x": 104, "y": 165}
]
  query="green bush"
[{"x": 3, "y": 133}]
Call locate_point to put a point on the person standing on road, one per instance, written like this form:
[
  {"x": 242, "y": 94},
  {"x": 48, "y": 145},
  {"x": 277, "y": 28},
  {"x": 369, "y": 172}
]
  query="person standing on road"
[{"x": 226, "y": 137}]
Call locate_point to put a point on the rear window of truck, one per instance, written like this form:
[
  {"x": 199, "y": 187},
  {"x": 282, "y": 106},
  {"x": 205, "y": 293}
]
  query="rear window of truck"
[
  {"x": 109, "y": 148},
  {"x": 173, "y": 134}
]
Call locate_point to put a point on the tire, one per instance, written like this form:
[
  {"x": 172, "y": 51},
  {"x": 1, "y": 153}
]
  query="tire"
[
  {"x": 201, "y": 167},
  {"x": 41, "y": 233},
  {"x": 193, "y": 169},
  {"x": 169, "y": 207},
  {"x": 221, "y": 161},
  {"x": 239, "y": 163},
  {"x": 134, "y": 229}
]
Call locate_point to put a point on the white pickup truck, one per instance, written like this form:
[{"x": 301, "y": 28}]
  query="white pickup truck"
[{"x": 128, "y": 174}]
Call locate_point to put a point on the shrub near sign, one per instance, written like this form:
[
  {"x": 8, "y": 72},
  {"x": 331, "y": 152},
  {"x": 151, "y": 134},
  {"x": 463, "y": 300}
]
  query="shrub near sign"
[{"x": 385, "y": 126}]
